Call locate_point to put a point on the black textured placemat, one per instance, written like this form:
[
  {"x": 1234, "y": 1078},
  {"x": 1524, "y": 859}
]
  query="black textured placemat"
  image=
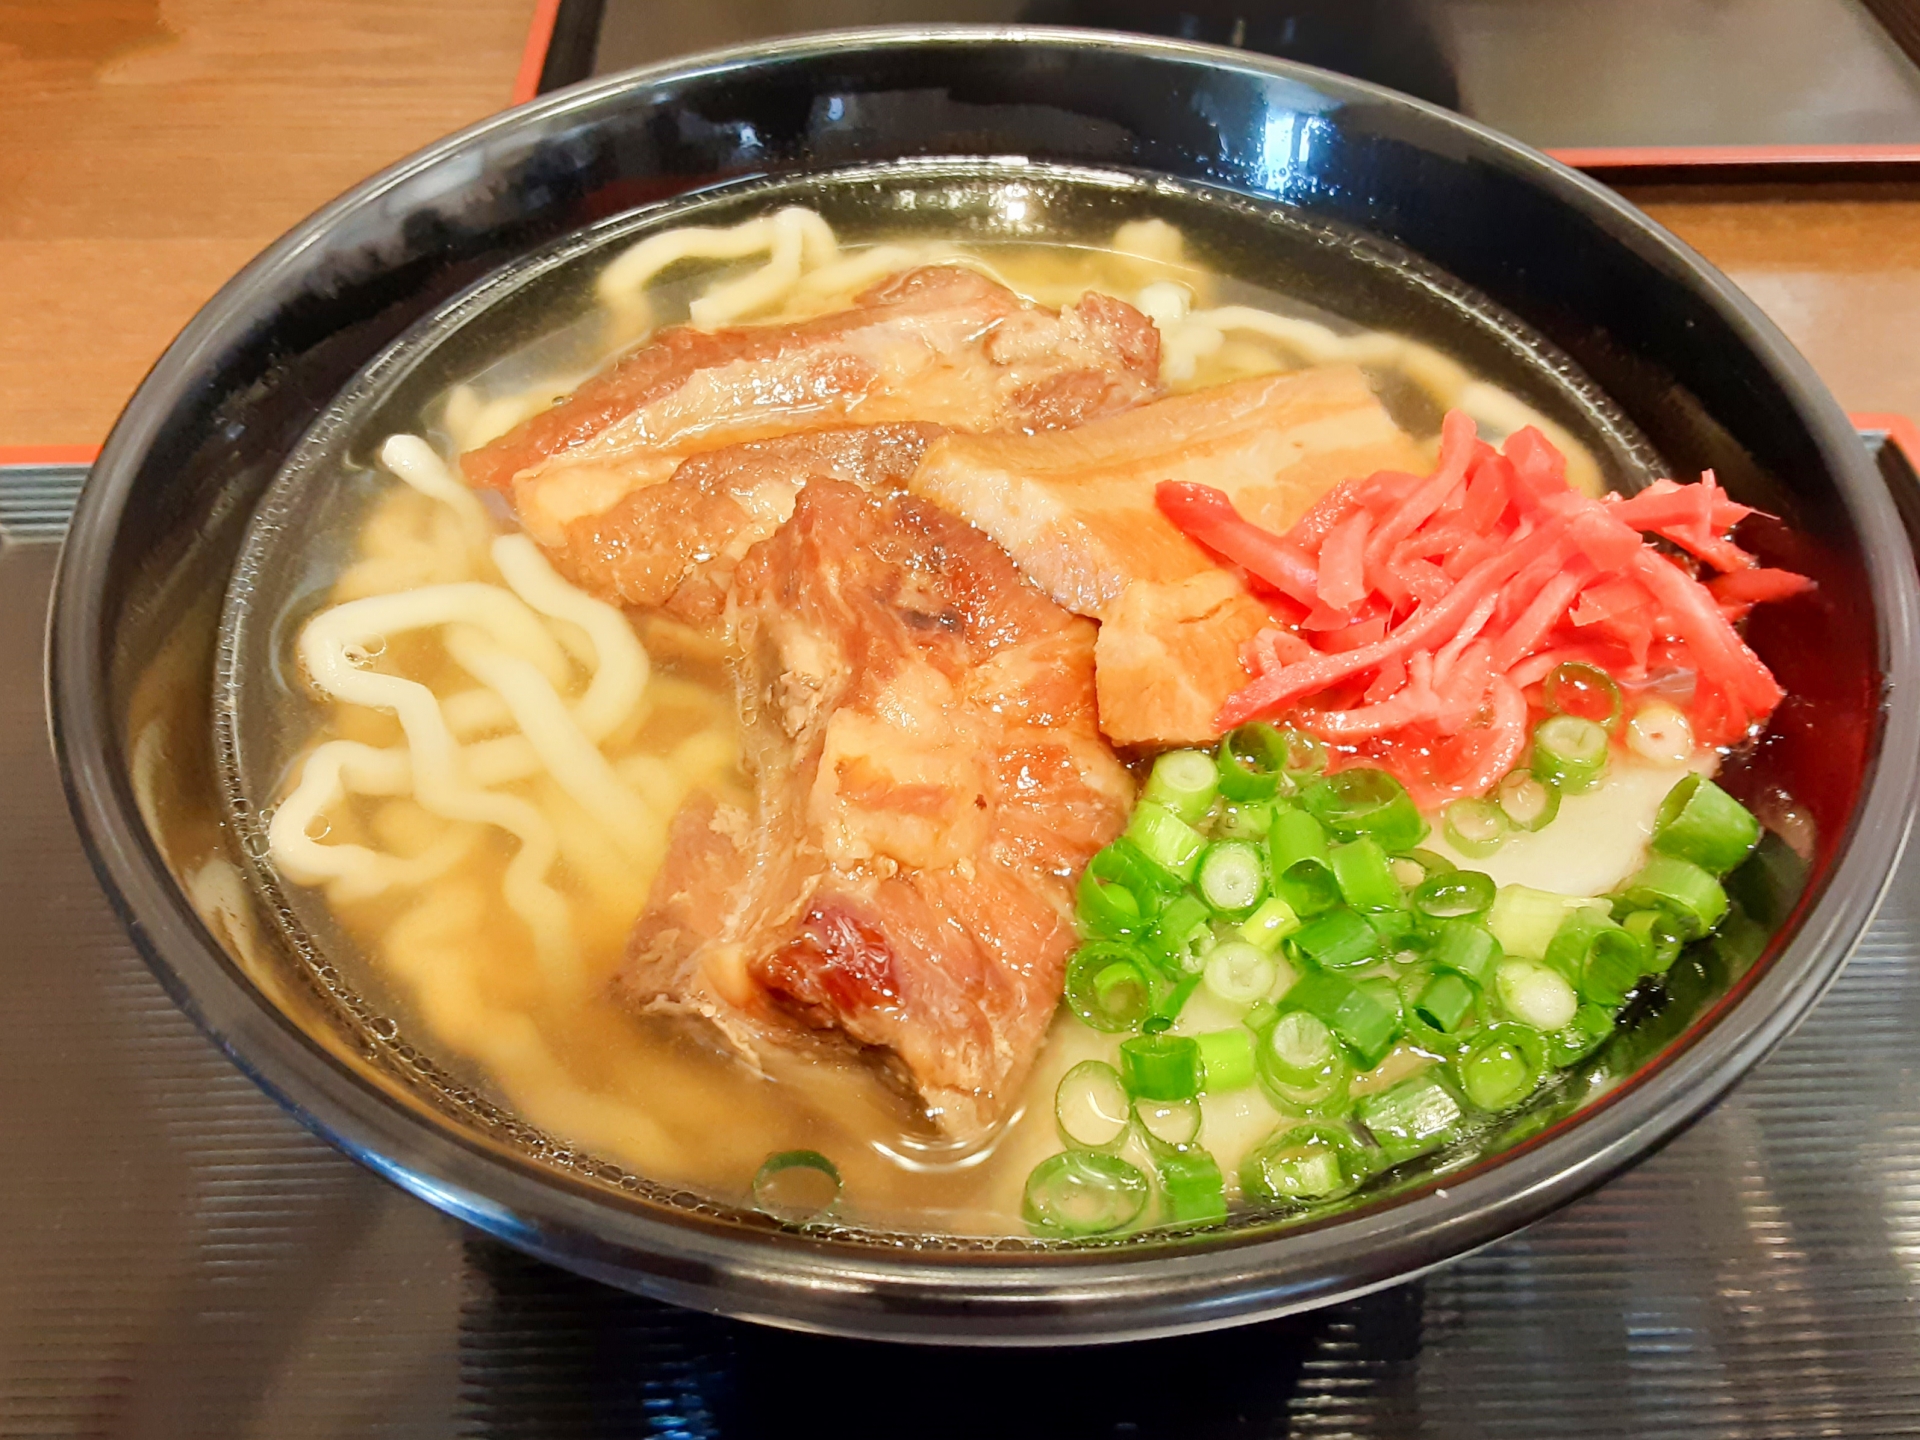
[{"x": 178, "y": 1257}]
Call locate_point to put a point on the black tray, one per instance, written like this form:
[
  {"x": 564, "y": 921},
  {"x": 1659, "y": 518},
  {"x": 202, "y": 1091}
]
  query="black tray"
[{"x": 180, "y": 1257}]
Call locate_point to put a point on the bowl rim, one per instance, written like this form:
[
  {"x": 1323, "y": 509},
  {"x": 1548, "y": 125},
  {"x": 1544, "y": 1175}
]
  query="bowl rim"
[{"x": 1006, "y": 1298}]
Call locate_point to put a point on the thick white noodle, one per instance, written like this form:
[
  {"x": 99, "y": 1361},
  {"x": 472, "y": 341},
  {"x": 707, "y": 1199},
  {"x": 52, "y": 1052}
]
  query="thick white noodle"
[
  {"x": 790, "y": 238},
  {"x": 498, "y": 634}
]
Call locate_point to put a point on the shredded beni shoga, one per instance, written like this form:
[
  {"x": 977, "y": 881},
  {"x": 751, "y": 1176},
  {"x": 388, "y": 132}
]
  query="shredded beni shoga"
[{"x": 1425, "y": 609}]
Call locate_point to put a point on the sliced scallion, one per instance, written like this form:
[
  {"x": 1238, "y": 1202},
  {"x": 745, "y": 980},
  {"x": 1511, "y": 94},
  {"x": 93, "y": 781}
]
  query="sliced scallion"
[
  {"x": 1181, "y": 935},
  {"x": 1252, "y": 763},
  {"x": 1226, "y": 1059},
  {"x": 1243, "y": 819},
  {"x": 1166, "y": 839},
  {"x": 1109, "y": 987},
  {"x": 1271, "y": 922},
  {"x": 1368, "y": 802},
  {"x": 1300, "y": 1065},
  {"x": 1701, "y": 823},
  {"x": 1473, "y": 827},
  {"x": 1301, "y": 1164},
  {"x": 1446, "y": 1001},
  {"x": 1569, "y": 753},
  {"x": 1688, "y": 893},
  {"x": 1502, "y": 1066},
  {"x": 1306, "y": 756},
  {"x": 795, "y": 1185},
  {"x": 1411, "y": 1116},
  {"x": 1367, "y": 1019},
  {"x": 1168, "y": 1126},
  {"x": 1365, "y": 875},
  {"x": 1338, "y": 940},
  {"x": 1535, "y": 994},
  {"x": 1581, "y": 1036},
  {"x": 1527, "y": 801},
  {"x": 1297, "y": 861},
  {"x": 1467, "y": 947},
  {"x": 1603, "y": 960},
  {"x": 1083, "y": 1192},
  {"x": 1232, "y": 876},
  {"x": 1090, "y": 1106},
  {"x": 1240, "y": 973},
  {"x": 1525, "y": 920},
  {"x": 1160, "y": 1067},
  {"x": 1184, "y": 782},
  {"x": 1661, "y": 936},
  {"x": 1192, "y": 1191},
  {"x": 1106, "y": 909},
  {"x": 1454, "y": 896}
]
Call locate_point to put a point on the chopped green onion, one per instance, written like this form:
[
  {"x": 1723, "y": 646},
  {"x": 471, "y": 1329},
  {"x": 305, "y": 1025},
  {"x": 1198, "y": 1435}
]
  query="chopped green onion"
[
  {"x": 1261, "y": 1015},
  {"x": 1107, "y": 909},
  {"x": 1233, "y": 876},
  {"x": 1396, "y": 929},
  {"x": 1226, "y": 1059},
  {"x": 1692, "y": 896},
  {"x": 1191, "y": 1188},
  {"x": 1367, "y": 802},
  {"x": 1502, "y": 1066},
  {"x": 1408, "y": 872},
  {"x": 1411, "y": 1116},
  {"x": 795, "y": 1185},
  {"x": 1525, "y": 920},
  {"x": 1660, "y": 733},
  {"x": 1168, "y": 1126},
  {"x": 1165, "y": 839},
  {"x": 1569, "y": 753},
  {"x": 1659, "y": 934},
  {"x": 1252, "y": 763},
  {"x": 1297, "y": 860},
  {"x": 1167, "y": 1008},
  {"x": 1306, "y": 756},
  {"x": 1700, "y": 822},
  {"x": 1301, "y": 1164},
  {"x": 1271, "y": 922},
  {"x": 1184, "y": 782},
  {"x": 1243, "y": 819},
  {"x": 1466, "y": 947},
  {"x": 1240, "y": 973},
  {"x": 1083, "y": 1192},
  {"x": 1455, "y": 895},
  {"x": 1431, "y": 863},
  {"x": 1581, "y": 1036},
  {"x": 1535, "y": 994},
  {"x": 1090, "y": 1106},
  {"x": 1366, "y": 1018},
  {"x": 1301, "y": 1042},
  {"x": 1365, "y": 877},
  {"x": 1584, "y": 691},
  {"x": 1160, "y": 1067},
  {"x": 1181, "y": 936},
  {"x": 1603, "y": 960},
  {"x": 1446, "y": 1001},
  {"x": 1474, "y": 827},
  {"x": 1109, "y": 987},
  {"x": 1338, "y": 940},
  {"x": 1527, "y": 801}
]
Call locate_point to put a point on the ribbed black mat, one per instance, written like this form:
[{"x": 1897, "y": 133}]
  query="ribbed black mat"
[{"x": 177, "y": 1257}]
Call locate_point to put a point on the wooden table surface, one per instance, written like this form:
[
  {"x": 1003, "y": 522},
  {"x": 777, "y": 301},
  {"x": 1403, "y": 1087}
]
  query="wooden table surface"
[{"x": 149, "y": 148}]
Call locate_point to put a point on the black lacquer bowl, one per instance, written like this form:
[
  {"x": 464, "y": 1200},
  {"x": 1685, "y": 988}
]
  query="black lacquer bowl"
[{"x": 1690, "y": 365}]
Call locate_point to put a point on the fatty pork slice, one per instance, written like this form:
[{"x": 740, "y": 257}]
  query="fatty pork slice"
[
  {"x": 933, "y": 349},
  {"x": 1076, "y": 511},
  {"x": 929, "y": 780}
]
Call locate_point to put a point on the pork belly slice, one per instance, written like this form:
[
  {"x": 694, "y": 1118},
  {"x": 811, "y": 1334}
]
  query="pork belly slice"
[
  {"x": 941, "y": 346},
  {"x": 1076, "y": 511},
  {"x": 929, "y": 780},
  {"x": 674, "y": 546}
]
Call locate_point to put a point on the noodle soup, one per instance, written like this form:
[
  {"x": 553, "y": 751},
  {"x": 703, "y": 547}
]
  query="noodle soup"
[{"x": 553, "y": 690}]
